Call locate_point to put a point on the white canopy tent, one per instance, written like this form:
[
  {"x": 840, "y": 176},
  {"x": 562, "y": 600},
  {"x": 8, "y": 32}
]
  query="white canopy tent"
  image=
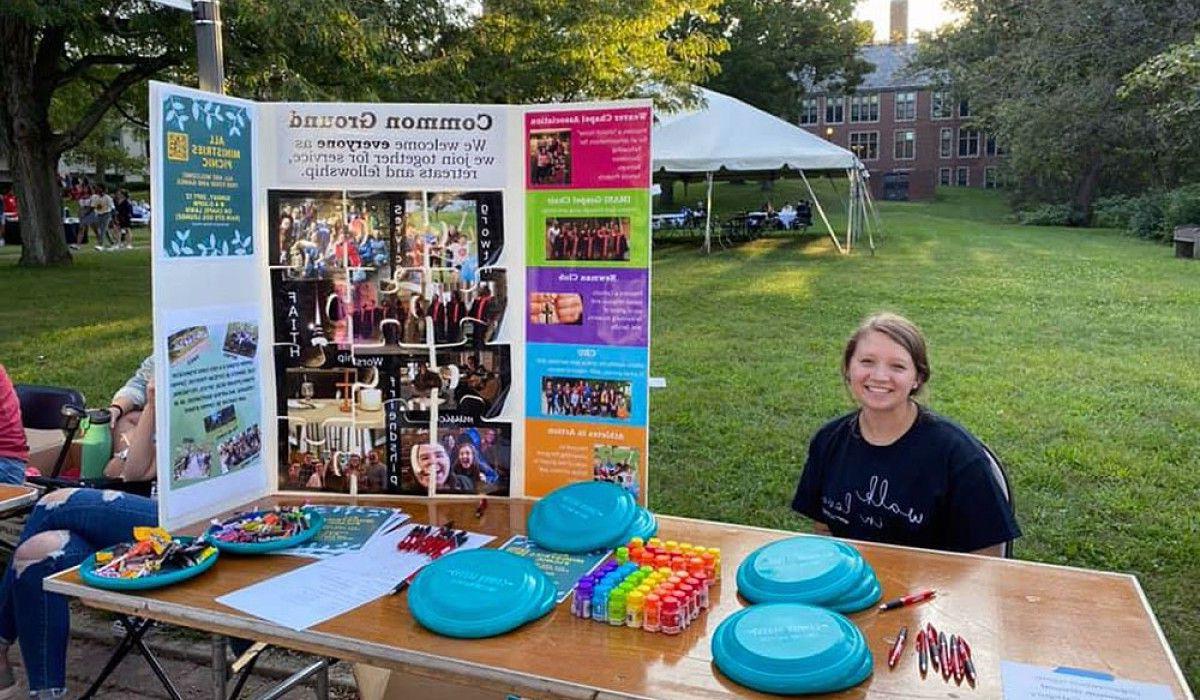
[{"x": 727, "y": 135}]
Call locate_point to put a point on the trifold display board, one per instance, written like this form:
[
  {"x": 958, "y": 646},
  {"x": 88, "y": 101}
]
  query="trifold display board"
[{"x": 440, "y": 299}]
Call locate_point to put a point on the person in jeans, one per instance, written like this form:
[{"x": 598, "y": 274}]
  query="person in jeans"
[
  {"x": 102, "y": 204},
  {"x": 124, "y": 220},
  {"x": 65, "y": 527},
  {"x": 14, "y": 450}
]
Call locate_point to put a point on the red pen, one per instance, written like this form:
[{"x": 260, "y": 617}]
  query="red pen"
[
  {"x": 931, "y": 642},
  {"x": 897, "y": 647},
  {"x": 968, "y": 665},
  {"x": 922, "y": 653},
  {"x": 908, "y": 600},
  {"x": 943, "y": 657},
  {"x": 956, "y": 669}
]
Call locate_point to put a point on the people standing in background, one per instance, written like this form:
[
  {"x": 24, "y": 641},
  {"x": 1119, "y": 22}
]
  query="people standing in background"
[
  {"x": 11, "y": 218},
  {"x": 102, "y": 204},
  {"x": 124, "y": 220}
]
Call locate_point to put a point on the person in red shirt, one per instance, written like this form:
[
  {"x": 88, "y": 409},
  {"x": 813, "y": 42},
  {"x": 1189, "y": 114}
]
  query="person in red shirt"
[
  {"x": 14, "y": 451},
  {"x": 11, "y": 217}
]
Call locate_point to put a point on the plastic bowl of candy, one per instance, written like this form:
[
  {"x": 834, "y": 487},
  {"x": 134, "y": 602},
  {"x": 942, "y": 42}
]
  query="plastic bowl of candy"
[
  {"x": 152, "y": 561},
  {"x": 265, "y": 531}
]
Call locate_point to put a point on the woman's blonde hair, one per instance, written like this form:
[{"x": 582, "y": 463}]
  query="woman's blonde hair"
[{"x": 901, "y": 330}]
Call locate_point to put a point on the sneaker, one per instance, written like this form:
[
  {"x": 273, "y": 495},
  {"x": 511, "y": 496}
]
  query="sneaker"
[
  {"x": 100, "y": 248},
  {"x": 73, "y": 246},
  {"x": 128, "y": 246}
]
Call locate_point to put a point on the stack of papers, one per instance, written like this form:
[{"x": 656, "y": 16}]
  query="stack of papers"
[{"x": 321, "y": 591}]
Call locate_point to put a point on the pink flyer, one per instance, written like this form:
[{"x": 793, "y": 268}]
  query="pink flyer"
[{"x": 588, "y": 148}]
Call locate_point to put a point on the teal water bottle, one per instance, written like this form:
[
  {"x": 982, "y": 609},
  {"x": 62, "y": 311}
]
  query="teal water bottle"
[{"x": 95, "y": 447}]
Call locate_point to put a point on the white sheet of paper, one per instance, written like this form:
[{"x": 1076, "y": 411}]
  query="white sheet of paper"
[
  {"x": 335, "y": 586},
  {"x": 1026, "y": 681}
]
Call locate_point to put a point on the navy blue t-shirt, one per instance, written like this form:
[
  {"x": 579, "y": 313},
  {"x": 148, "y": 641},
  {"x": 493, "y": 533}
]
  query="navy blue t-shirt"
[{"x": 933, "y": 488}]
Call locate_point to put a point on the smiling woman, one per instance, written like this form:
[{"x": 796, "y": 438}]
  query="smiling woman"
[{"x": 893, "y": 471}]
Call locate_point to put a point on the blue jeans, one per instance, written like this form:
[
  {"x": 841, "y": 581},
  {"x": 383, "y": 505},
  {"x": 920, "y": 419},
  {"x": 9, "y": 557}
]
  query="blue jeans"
[
  {"x": 12, "y": 470},
  {"x": 64, "y": 528}
]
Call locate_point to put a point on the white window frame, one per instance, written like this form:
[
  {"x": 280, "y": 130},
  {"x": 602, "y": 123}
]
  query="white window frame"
[
  {"x": 850, "y": 144},
  {"x": 867, "y": 101},
  {"x": 991, "y": 178},
  {"x": 966, "y": 180},
  {"x": 940, "y": 97},
  {"x": 946, "y": 176},
  {"x": 836, "y": 101},
  {"x": 978, "y": 137},
  {"x": 813, "y": 104},
  {"x": 896, "y": 142},
  {"x": 896, "y": 106},
  {"x": 946, "y": 143},
  {"x": 963, "y": 109}
]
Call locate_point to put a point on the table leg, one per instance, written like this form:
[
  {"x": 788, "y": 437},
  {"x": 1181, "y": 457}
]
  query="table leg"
[{"x": 219, "y": 667}]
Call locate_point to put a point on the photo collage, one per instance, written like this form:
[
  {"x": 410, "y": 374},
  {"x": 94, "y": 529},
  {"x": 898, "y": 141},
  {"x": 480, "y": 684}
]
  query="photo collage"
[{"x": 387, "y": 307}]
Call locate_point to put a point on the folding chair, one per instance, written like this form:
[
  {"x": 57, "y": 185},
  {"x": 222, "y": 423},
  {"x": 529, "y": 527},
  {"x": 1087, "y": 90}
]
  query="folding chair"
[
  {"x": 52, "y": 408},
  {"x": 1000, "y": 475}
]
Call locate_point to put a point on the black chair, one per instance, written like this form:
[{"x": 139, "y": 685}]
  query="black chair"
[
  {"x": 52, "y": 408},
  {"x": 1000, "y": 475}
]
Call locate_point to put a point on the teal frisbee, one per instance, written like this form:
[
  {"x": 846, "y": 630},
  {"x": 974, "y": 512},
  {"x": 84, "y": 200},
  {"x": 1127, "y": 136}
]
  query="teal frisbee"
[
  {"x": 316, "y": 521},
  {"x": 806, "y": 569},
  {"x": 645, "y": 526},
  {"x": 87, "y": 572},
  {"x": 791, "y": 649},
  {"x": 480, "y": 593},
  {"x": 583, "y": 517}
]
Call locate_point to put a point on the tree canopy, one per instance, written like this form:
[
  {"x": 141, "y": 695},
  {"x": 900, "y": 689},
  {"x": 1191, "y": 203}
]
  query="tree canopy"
[
  {"x": 778, "y": 47},
  {"x": 1044, "y": 78}
]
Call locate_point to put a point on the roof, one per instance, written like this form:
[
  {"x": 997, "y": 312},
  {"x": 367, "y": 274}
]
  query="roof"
[
  {"x": 890, "y": 61},
  {"x": 727, "y": 134}
]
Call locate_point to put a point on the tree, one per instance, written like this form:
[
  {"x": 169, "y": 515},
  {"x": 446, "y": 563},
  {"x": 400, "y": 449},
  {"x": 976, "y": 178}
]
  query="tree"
[
  {"x": 776, "y": 47},
  {"x": 92, "y": 52},
  {"x": 1169, "y": 86},
  {"x": 1043, "y": 78}
]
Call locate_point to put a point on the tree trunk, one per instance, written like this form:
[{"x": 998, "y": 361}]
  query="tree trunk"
[
  {"x": 29, "y": 143},
  {"x": 1085, "y": 190}
]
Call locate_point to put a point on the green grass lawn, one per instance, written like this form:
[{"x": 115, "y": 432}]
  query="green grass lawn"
[{"x": 1073, "y": 353}]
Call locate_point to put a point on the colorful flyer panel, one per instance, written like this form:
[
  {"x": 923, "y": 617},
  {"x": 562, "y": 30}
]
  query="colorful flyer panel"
[
  {"x": 558, "y": 453},
  {"x": 207, "y": 177},
  {"x": 215, "y": 399},
  {"x": 588, "y": 306},
  {"x": 586, "y": 383},
  {"x": 581, "y": 148},
  {"x": 565, "y": 569},
  {"x": 591, "y": 228}
]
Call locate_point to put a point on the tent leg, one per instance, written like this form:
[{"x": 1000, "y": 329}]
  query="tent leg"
[
  {"x": 708, "y": 216},
  {"x": 821, "y": 211}
]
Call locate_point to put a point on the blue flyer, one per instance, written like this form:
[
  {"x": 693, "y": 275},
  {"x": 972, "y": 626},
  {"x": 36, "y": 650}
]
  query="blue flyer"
[{"x": 565, "y": 569}]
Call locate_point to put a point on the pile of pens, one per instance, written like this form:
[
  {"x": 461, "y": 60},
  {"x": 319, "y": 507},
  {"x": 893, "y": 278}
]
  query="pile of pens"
[
  {"x": 152, "y": 551},
  {"x": 249, "y": 528},
  {"x": 951, "y": 656},
  {"x": 654, "y": 600},
  {"x": 430, "y": 541}
]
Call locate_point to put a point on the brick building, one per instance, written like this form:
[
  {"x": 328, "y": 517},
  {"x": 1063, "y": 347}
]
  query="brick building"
[{"x": 910, "y": 136}]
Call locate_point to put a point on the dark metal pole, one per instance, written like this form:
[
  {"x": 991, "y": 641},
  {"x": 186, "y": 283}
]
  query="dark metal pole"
[{"x": 209, "y": 54}]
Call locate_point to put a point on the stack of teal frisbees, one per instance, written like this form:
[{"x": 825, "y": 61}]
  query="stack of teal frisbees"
[
  {"x": 810, "y": 570},
  {"x": 480, "y": 593},
  {"x": 587, "y": 516},
  {"x": 791, "y": 649}
]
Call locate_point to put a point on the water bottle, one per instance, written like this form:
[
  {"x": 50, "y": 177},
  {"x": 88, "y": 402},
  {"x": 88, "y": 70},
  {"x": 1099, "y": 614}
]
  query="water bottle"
[{"x": 95, "y": 447}]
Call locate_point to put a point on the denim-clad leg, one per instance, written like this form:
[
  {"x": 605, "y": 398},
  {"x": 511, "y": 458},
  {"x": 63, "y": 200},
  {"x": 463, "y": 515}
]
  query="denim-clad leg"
[{"x": 66, "y": 526}]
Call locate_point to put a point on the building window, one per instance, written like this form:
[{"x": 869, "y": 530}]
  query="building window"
[
  {"x": 808, "y": 110},
  {"x": 964, "y": 109},
  {"x": 990, "y": 146},
  {"x": 941, "y": 106},
  {"x": 991, "y": 178},
  {"x": 905, "y": 145},
  {"x": 835, "y": 110},
  {"x": 968, "y": 143},
  {"x": 946, "y": 142},
  {"x": 944, "y": 175},
  {"x": 864, "y": 108},
  {"x": 865, "y": 144},
  {"x": 906, "y": 106},
  {"x": 962, "y": 176}
]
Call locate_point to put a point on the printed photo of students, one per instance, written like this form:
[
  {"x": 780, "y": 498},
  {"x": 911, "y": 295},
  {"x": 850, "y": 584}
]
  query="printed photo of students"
[{"x": 599, "y": 239}]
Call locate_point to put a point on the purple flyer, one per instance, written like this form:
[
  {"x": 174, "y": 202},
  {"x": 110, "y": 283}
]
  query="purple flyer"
[{"x": 587, "y": 306}]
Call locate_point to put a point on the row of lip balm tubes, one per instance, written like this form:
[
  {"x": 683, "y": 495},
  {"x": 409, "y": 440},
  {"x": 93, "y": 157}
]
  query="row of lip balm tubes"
[
  {"x": 676, "y": 556},
  {"x": 655, "y": 600}
]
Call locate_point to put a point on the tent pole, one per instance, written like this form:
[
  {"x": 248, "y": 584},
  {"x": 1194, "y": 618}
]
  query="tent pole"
[
  {"x": 851, "y": 203},
  {"x": 708, "y": 216},
  {"x": 866, "y": 220},
  {"x": 821, "y": 211}
]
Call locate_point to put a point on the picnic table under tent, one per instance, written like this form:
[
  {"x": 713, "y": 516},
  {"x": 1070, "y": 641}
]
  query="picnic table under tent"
[{"x": 724, "y": 137}]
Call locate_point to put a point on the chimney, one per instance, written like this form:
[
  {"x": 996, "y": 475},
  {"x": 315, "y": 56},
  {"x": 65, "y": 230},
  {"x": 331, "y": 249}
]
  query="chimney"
[{"x": 898, "y": 29}]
